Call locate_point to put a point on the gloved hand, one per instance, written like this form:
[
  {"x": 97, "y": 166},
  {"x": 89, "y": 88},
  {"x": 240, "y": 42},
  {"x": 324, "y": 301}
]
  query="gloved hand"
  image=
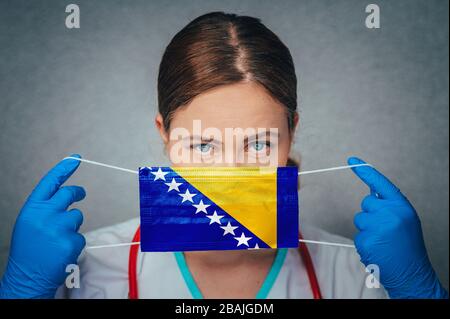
[
  {"x": 45, "y": 238},
  {"x": 391, "y": 237}
]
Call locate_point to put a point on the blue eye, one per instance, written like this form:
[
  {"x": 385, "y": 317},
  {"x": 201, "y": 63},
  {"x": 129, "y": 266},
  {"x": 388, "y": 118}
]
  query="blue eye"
[
  {"x": 203, "y": 148},
  {"x": 258, "y": 146}
]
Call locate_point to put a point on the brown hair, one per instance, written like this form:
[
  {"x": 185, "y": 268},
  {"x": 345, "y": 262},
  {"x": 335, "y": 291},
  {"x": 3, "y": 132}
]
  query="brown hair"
[{"x": 217, "y": 49}]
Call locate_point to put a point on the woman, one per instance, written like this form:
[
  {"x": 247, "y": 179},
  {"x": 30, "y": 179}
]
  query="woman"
[{"x": 227, "y": 71}]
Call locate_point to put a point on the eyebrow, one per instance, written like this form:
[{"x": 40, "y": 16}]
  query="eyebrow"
[
  {"x": 202, "y": 138},
  {"x": 268, "y": 133}
]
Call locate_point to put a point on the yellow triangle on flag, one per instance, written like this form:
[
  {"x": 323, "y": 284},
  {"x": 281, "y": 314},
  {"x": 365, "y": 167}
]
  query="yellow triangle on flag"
[{"x": 248, "y": 194}]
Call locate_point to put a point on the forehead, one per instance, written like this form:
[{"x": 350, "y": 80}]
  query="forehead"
[{"x": 242, "y": 105}]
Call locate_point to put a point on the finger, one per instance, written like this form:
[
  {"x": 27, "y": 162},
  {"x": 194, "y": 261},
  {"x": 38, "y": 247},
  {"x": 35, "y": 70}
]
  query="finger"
[
  {"x": 74, "y": 219},
  {"x": 376, "y": 181},
  {"x": 66, "y": 196},
  {"x": 363, "y": 220},
  {"x": 373, "y": 193},
  {"x": 370, "y": 203},
  {"x": 70, "y": 220},
  {"x": 360, "y": 241},
  {"x": 78, "y": 244},
  {"x": 50, "y": 183}
]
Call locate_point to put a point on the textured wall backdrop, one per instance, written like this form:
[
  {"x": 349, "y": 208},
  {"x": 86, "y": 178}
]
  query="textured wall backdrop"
[{"x": 379, "y": 94}]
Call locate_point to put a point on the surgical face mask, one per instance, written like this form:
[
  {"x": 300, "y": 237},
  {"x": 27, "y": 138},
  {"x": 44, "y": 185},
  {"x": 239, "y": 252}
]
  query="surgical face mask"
[{"x": 218, "y": 208}]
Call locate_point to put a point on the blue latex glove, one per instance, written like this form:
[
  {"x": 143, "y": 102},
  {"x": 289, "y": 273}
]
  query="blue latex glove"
[
  {"x": 391, "y": 237},
  {"x": 45, "y": 238}
]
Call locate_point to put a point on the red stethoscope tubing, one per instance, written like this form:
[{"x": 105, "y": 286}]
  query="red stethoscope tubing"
[
  {"x": 134, "y": 251},
  {"x": 132, "y": 266}
]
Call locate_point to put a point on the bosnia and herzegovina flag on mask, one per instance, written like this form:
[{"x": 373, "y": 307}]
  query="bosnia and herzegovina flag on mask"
[{"x": 218, "y": 208}]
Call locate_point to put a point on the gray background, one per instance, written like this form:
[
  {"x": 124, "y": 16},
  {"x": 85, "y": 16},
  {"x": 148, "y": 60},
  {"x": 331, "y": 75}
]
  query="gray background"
[{"x": 379, "y": 94}]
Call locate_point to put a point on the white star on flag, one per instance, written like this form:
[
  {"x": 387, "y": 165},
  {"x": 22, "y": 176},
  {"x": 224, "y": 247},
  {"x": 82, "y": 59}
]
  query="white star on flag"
[
  {"x": 256, "y": 247},
  {"x": 201, "y": 207},
  {"x": 242, "y": 240},
  {"x": 215, "y": 218},
  {"x": 160, "y": 174},
  {"x": 187, "y": 196},
  {"x": 173, "y": 185},
  {"x": 228, "y": 229}
]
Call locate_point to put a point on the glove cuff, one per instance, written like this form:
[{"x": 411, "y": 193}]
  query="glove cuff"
[
  {"x": 11, "y": 288},
  {"x": 425, "y": 285}
]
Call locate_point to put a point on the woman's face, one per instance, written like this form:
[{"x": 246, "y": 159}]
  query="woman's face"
[{"x": 232, "y": 125}]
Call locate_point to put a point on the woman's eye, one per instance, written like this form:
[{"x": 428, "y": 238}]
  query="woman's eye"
[
  {"x": 259, "y": 146},
  {"x": 203, "y": 147}
]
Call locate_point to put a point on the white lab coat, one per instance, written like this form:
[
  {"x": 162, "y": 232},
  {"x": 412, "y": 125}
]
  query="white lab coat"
[{"x": 104, "y": 272}]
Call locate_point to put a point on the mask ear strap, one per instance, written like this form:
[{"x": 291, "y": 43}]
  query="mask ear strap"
[
  {"x": 332, "y": 169},
  {"x": 102, "y": 164},
  {"x": 327, "y": 243}
]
